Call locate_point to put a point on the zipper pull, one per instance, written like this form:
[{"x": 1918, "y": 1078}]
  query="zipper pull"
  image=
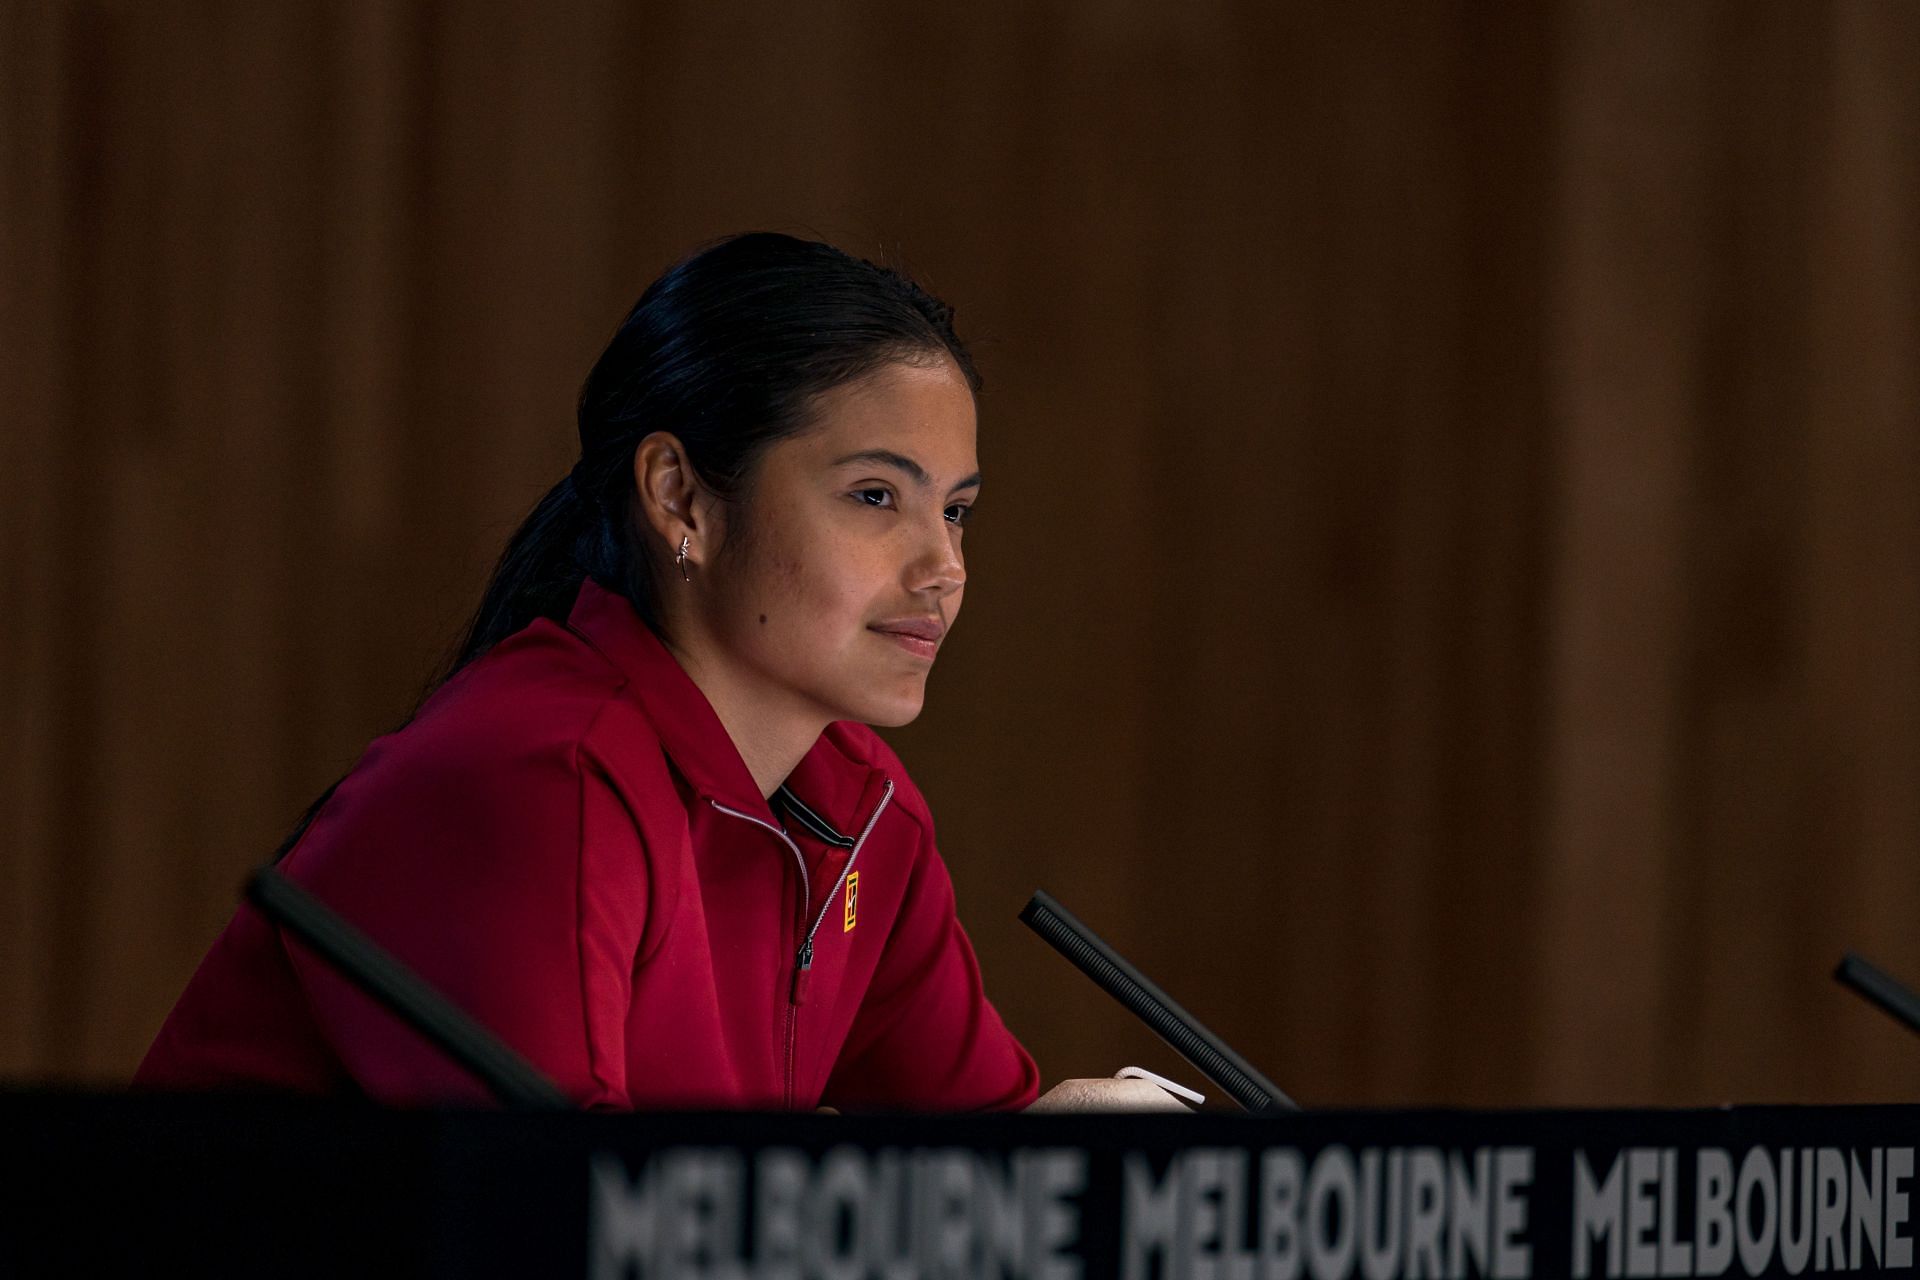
[{"x": 798, "y": 994}]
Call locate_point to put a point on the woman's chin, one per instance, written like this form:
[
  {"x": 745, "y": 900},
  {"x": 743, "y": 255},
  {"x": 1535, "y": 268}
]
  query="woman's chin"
[{"x": 889, "y": 713}]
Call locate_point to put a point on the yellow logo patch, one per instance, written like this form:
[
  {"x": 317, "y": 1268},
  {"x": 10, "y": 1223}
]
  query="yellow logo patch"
[{"x": 853, "y": 899}]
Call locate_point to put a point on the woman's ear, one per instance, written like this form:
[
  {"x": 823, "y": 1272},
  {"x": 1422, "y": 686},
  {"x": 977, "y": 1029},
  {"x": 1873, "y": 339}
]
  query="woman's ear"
[{"x": 673, "y": 502}]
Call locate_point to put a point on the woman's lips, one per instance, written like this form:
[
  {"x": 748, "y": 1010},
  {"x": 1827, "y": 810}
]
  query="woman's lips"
[{"x": 918, "y": 637}]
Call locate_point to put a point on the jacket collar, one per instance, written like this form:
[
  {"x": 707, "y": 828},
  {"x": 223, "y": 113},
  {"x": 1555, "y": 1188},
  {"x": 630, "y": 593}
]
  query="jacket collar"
[{"x": 839, "y": 790}]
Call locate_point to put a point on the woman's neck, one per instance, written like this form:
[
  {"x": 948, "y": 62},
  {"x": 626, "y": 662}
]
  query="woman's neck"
[{"x": 770, "y": 733}]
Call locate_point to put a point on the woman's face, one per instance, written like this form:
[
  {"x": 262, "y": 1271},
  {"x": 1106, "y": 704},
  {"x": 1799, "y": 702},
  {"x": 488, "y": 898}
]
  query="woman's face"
[{"x": 841, "y": 571}]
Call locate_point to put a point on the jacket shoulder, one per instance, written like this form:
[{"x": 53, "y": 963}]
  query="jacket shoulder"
[
  {"x": 514, "y": 729},
  {"x": 554, "y": 687}
]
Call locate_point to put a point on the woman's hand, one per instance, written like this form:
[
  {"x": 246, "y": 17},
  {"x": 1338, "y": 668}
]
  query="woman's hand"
[{"x": 1106, "y": 1095}]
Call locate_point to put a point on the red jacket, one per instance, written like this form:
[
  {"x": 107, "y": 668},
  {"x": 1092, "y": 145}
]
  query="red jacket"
[{"x": 566, "y": 843}]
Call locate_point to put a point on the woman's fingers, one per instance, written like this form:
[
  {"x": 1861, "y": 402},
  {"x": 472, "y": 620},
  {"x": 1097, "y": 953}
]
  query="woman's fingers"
[{"x": 1106, "y": 1095}]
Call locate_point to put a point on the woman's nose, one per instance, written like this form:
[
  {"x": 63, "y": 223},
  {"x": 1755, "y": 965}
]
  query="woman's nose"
[{"x": 940, "y": 568}]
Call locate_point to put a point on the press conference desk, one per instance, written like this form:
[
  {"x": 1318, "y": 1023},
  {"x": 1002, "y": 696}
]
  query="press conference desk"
[{"x": 106, "y": 1185}]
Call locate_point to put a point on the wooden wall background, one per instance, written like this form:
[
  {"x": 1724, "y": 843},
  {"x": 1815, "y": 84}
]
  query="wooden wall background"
[{"x": 1448, "y": 598}]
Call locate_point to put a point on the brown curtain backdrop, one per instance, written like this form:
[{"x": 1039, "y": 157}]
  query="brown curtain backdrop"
[{"x": 1446, "y": 600}]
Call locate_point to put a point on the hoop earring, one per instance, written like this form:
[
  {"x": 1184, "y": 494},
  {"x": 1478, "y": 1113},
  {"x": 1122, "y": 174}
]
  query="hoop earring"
[{"x": 681, "y": 559}]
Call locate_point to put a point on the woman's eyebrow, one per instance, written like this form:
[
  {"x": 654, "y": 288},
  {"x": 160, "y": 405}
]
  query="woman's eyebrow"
[{"x": 901, "y": 462}]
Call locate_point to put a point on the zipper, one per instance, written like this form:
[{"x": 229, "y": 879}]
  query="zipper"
[
  {"x": 803, "y": 960},
  {"x": 806, "y": 948}
]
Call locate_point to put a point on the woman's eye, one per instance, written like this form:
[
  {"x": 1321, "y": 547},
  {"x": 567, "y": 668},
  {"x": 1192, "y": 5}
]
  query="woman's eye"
[
  {"x": 959, "y": 513},
  {"x": 874, "y": 497}
]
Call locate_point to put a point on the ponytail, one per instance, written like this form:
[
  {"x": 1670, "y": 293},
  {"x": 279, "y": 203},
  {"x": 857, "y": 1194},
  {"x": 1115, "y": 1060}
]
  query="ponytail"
[{"x": 538, "y": 574}]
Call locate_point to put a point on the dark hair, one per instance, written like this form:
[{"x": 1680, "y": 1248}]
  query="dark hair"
[{"x": 726, "y": 350}]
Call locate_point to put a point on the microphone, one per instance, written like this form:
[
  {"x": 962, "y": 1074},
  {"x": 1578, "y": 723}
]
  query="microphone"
[
  {"x": 375, "y": 971},
  {"x": 1879, "y": 987},
  {"x": 1208, "y": 1054}
]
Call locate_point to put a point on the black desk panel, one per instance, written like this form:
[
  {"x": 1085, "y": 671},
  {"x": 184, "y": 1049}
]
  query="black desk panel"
[{"x": 138, "y": 1185}]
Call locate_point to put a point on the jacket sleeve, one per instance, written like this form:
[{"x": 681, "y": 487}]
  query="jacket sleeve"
[
  {"x": 926, "y": 1038},
  {"x": 523, "y": 902}
]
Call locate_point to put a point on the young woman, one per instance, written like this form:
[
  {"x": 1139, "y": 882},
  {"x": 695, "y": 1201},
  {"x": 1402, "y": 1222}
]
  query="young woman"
[{"x": 642, "y": 831}]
